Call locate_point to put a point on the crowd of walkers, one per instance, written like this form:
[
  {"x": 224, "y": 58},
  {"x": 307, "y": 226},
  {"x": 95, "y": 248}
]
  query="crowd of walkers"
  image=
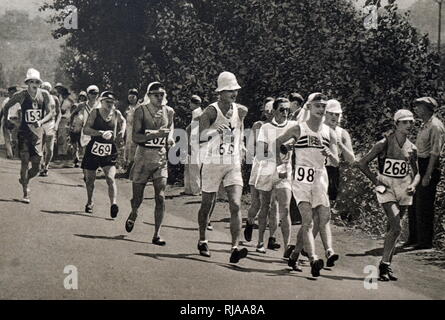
[{"x": 294, "y": 150}]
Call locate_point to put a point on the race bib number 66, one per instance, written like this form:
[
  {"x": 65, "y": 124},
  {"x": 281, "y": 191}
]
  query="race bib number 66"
[
  {"x": 33, "y": 115},
  {"x": 395, "y": 168},
  {"x": 305, "y": 175},
  {"x": 101, "y": 149}
]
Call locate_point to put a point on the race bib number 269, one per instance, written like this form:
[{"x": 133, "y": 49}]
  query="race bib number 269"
[
  {"x": 101, "y": 149},
  {"x": 33, "y": 115}
]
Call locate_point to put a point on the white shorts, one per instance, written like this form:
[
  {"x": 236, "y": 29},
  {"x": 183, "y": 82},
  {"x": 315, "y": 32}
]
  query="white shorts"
[
  {"x": 316, "y": 193},
  {"x": 396, "y": 191},
  {"x": 268, "y": 179},
  {"x": 254, "y": 172},
  {"x": 48, "y": 128},
  {"x": 213, "y": 174}
]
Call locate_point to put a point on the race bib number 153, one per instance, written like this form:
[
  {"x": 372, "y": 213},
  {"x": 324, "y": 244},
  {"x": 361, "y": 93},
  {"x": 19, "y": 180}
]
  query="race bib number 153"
[{"x": 33, "y": 115}]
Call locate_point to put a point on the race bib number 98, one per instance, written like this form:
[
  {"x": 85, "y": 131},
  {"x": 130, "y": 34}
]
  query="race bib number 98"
[
  {"x": 305, "y": 175},
  {"x": 395, "y": 168},
  {"x": 33, "y": 115},
  {"x": 101, "y": 149}
]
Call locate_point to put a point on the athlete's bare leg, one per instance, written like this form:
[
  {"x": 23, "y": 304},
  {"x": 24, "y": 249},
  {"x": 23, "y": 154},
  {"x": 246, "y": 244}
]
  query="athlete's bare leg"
[
  {"x": 90, "y": 178},
  {"x": 110, "y": 173},
  {"x": 207, "y": 203},
  {"x": 234, "y": 194},
  {"x": 159, "y": 187}
]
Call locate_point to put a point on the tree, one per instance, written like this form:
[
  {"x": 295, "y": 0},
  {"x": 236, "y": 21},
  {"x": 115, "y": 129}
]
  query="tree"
[
  {"x": 273, "y": 46},
  {"x": 3, "y": 82}
]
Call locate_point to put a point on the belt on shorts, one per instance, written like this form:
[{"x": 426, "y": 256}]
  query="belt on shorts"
[{"x": 146, "y": 147}]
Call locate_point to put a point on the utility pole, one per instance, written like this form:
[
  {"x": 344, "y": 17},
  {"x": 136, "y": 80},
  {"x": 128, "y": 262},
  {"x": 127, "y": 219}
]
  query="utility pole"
[{"x": 439, "y": 2}]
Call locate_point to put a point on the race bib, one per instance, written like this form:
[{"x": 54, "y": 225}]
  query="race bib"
[
  {"x": 227, "y": 145},
  {"x": 156, "y": 142},
  {"x": 33, "y": 115},
  {"x": 305, "y": 175},
  {"x": 101, "y": 149},
  {"x": 395, "y": 168}
]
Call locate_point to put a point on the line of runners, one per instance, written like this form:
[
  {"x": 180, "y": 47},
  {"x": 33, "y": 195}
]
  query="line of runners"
[{"x": 294, "y": 154}]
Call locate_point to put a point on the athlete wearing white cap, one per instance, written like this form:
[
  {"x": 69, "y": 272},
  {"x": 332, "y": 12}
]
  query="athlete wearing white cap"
[
  {"x": 268, "y": 177},
  {"x": 152, "y": 131},
  {"x": 396, "y": 182},
  {"x": 220, "y": 128},
  {"x": 36, "y": 108},
  {"x": 315, "y": 143}
]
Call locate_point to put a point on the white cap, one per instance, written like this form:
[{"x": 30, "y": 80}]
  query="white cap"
[
  {"x": 227, "y": 82},
  {"x": 403, "y": 115},
  {"x": 32, "y": 74},
  {"x": 269, "y": 106},
  {"x": 93, "y": 88},
  {"x": 333, "y": 106},
  {"x": 46, "y": 86}
]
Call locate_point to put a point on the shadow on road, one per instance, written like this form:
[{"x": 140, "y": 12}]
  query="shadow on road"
[
  {"x": 76, "y": 213},
  {"x": 271, "y": 273},
  {"x": 187, "y": 256},
  {"x": 377, "y": 252},
  {"x": 63, "y": 184},
  {"x": 12, "y": 200},
  {"x": 120, "y": 237},
  {"x": 173, "y": 227},
  {"x": 193, "y": 202}
]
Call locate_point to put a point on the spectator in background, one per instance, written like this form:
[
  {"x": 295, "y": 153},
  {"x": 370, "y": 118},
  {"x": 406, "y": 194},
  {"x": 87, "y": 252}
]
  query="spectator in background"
[
  {"x": 66, "y": 105},
  {"x": 130, "y": 146},
  {"x": 10, "y": 124},
  {"x": 78, "y": 120},
  {"x": 83, "y": 97},
  {"x": 296, "y": 101},
  {"x": 429, "y": 143},
  {"x": 192, "y": 168}
]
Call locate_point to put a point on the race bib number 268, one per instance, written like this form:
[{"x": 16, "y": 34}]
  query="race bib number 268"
[
  {"x": 395, "y": 168},
  {"x": 33, "y": 115}
]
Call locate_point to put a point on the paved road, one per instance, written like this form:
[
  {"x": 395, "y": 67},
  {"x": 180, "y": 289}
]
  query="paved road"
[{"x": 39, "y": 240}]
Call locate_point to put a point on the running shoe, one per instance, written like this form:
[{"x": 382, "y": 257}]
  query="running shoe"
[
  {"x": 26, "y": 200},
  {"x": 114, "y": 210},
  {"x": 330, "y": 262},
  {"x": 237, "y": 255},
  {"x": 384, "y": 272},
  {"x": 203, "y": 248},
  {"x": 210, "y": 227},
  {"x": 304, "y": 253},
  {"x": 158, "y": 241},
  {"x": 129, "y": 224},
  {"x": 248, "y": 231},
  {"x": 272, "y": 244},
  {"x": 293, "y": 263},
  {"x": 391, "y": 275},
  {"x": 316, "y": 266},
  {"x": 260, "y": 248},
  {"x": 288, "y": 251},
  {"x": 89, "y": 208}
]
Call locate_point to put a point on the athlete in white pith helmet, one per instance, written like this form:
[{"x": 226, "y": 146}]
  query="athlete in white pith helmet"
[
  {"x": 36, "y": 109},
  {"x": 315, "y": 143},
  {"x": 220, "y": 127},
  {"x": 396, "y": 182}
]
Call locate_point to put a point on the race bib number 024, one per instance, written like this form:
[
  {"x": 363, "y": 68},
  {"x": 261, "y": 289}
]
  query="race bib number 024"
[
  {"x": 101, "y": 149},
  {"x": 395, "y": 168},
  {"x": 305, "y": 175},
  {"x": 33, "y": 115}
]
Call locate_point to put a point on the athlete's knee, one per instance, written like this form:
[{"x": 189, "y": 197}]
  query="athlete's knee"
[
  {"x": 110, "y": 181},
  {"x": 160, "y": 199},
  {"x": 307, "y": 225},
  {"x": 234, "y": 206}
]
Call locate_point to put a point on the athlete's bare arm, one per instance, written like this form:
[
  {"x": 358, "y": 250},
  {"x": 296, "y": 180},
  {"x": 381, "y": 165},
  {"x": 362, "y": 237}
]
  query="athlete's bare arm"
[
  {"x": 122, "y": 124},
  {"x": 58, "y": 113},
  {"x": 345, "y": 144},
  {"x": 415, "y": 167},
  {"x": 363, "y": 163},
  {"x": 49, "y": 107},
  {"x": 291, "y": 133},
  {"x": 332, "y": 151},
  {"x": 16, "y": 98},
  {"x": 88, "y": 130},
  {"x": 207, "y": 118}
]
